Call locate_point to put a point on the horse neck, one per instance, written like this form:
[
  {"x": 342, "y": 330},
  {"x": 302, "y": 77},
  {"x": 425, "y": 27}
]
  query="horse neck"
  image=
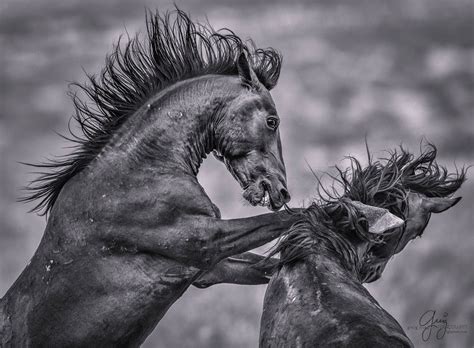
[
  {"x": 324, "y": 261},
  {"x": 334, "y": 295},
  {"x": 323, "y": 291},
  {"x": 335, "y": 250},
  {"x": 174, "y": 130}
]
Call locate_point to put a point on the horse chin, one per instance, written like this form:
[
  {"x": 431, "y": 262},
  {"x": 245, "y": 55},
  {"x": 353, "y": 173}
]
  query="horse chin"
[{"x": 273, "y": 206}]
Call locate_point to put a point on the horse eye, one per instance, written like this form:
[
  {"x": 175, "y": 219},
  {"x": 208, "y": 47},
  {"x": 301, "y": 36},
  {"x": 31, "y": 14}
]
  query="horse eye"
[{"x": 272, "y": 122}]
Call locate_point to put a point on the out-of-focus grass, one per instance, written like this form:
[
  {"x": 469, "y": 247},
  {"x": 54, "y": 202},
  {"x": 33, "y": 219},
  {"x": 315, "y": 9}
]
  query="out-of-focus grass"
[{"x": 391, "y": 71}]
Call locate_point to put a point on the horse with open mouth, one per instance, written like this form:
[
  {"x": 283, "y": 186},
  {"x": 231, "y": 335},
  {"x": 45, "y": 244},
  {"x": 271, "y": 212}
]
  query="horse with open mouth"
[
  {"x": 316, "y": 298},
  {"x": 129, "y": 227}
]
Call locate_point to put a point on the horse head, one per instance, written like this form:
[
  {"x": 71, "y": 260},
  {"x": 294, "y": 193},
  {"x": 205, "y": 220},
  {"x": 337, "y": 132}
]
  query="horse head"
[
  {"x": 419, "y": 209},
  {"x": 248, "y": 141},
  {"x": 420, "y": 188}
]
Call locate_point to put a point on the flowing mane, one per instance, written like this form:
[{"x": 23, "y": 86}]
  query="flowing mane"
[
  {"x": 174, "y": 49},
  {"x": 424, "y": 175},
  {"x": 330, "y": 221}
]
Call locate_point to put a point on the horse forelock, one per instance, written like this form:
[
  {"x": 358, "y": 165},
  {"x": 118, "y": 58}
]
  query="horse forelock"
[{"x": 175, "y": 48}]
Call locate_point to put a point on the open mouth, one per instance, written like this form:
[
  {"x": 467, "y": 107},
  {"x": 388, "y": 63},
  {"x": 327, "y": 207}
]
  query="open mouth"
[
  {"x": 265, "y": 201},
  {"x": 258, "y": 195}
]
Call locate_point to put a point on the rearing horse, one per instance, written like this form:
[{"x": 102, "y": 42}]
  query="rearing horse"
[{"x": 129, "y": 227}]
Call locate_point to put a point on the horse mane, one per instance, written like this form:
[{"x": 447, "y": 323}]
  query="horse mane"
[
  {"x": 424, "y": 175},
  {"x": 331, "y": 221},
  {"x": 329, "y": 226},
  {"x": 175, "y": 48}
]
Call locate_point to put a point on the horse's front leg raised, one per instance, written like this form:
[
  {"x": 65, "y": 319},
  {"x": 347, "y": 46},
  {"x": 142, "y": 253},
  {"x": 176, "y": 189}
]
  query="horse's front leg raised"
[
  {"x": 211, "y": 240},
  {"x": 202, "y": 241},
  {"x": 244, "y": 269}
]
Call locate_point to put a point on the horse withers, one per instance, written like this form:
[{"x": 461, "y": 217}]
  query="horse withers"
[
  {"x": 129, "y": 228},
  {"x": 316, "y": 298}
]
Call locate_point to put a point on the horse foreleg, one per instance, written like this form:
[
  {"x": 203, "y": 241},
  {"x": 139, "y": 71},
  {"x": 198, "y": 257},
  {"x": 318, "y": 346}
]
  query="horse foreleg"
[
  {"x": 214, "y": 239},
  {"x": 202, "y": 241},
  {"x": 245, "y": 269}
]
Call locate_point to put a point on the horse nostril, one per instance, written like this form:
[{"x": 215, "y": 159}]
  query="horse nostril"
[{"x": 285, "y": 195}]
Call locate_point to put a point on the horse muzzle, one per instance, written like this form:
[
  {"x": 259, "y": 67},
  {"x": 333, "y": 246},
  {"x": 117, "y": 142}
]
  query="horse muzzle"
[{"x": 267, "y": 193}]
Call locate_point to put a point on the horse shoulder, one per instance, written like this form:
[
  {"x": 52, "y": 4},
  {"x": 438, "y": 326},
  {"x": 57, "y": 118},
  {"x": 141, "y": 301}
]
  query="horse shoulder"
[{"x": 284, "y": 323}]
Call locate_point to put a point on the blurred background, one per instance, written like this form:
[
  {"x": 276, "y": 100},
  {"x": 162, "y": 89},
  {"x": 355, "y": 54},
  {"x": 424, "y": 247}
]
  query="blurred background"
[{"x": 394, "y": 71}]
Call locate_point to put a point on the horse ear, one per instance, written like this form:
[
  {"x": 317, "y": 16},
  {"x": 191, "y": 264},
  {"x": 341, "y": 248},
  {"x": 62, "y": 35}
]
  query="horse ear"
[
  {"x": 439, "y": 204},
  {"x": 246, "y": 73},
  {"x": 379, "y": 219}
]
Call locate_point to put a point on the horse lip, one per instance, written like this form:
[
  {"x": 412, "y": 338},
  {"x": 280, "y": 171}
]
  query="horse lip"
[{"x": 272, "y": 205}]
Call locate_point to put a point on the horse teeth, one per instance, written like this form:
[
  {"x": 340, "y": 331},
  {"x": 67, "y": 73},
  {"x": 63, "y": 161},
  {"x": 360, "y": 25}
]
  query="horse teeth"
[{"x": 265, "y": 201}]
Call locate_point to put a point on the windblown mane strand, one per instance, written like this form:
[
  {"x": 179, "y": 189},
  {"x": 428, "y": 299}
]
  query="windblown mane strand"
[
  {"x": 378, "y": 184},
  {"x": 424, "y": 175},
  {"x": 175, "y": 49}
]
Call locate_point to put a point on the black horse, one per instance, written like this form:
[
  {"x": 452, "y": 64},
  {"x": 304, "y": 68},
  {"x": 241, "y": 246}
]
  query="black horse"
[
  {"x": 129, "y": 227},
  {"x": 316, "y": 298}
]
